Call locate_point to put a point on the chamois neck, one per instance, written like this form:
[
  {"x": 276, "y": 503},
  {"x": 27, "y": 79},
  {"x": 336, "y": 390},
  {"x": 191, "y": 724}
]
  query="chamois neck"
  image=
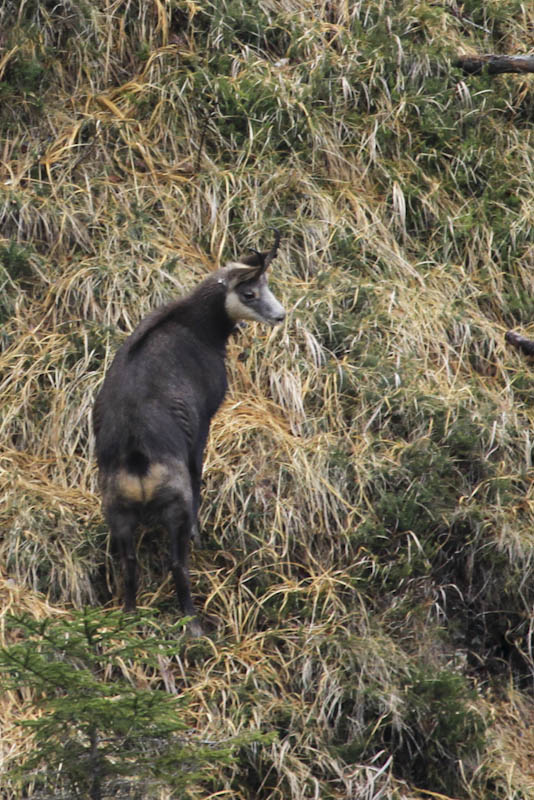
[{"x": 204, "y": 312}]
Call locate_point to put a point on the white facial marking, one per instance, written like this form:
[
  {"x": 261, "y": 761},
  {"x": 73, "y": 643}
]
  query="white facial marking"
[
  {"x": 264, "y": 307},
  {"x": 275, "y": 310}
]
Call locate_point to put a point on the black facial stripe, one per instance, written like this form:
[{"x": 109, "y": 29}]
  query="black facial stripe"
[{"x": 248, "y": 295}]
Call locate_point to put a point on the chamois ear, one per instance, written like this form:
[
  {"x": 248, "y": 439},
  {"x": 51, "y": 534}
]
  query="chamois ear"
[
  {"x": 239, "y": 273},
  {"x": 262, "y": 260}
]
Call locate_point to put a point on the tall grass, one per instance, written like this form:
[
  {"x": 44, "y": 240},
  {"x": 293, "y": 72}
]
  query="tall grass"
[{"x": 367, "y": 517}]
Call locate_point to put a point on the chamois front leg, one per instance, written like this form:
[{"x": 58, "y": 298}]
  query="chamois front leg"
[{"x": 195, "y": 471}]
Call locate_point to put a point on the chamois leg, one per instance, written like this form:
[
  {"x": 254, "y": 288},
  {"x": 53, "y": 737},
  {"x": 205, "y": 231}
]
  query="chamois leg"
[
  {"x": 195, "y": 530},
  {"x": 122, "y": 525},
  {"x": 178, "y": 521}
]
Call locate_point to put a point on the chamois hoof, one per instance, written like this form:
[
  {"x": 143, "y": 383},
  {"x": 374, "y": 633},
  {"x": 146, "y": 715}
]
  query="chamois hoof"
[
  {"x": 195, "y": 535},
  {"x": 194, "y": 628}
]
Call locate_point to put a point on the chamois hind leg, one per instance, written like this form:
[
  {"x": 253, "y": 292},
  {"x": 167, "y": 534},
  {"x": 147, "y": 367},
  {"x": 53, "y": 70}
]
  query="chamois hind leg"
[
  {"x": 123, "y": 525},
  {"x": 177, "y": 517}
]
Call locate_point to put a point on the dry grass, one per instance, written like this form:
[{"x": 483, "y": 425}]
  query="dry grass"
[{"x": 367, "y": 514}]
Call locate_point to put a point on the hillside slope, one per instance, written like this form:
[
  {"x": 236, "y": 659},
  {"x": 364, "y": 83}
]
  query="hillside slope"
[{"x": 368, "y": 513}]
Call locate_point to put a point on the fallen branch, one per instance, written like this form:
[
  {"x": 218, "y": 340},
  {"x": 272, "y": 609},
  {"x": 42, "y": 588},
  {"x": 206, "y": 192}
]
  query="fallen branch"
[
  {"x": 525, "y": 345},
  {"x": 474, "y": 65}
]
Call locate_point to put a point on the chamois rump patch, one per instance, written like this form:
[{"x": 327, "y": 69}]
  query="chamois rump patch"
[{"x": 171, "y": 478}]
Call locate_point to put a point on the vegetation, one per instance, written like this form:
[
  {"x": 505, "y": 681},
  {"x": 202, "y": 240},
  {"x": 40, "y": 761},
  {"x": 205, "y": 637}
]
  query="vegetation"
[
  {"x": 104, "y": 737},
  {"x": 366, "y": 568}
]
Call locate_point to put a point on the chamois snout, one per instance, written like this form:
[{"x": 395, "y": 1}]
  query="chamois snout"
[{"x": 274, "y": 312}]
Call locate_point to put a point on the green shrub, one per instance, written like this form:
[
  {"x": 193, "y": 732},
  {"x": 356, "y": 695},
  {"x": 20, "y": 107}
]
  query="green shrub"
[
  {"x": 95, "y": 732},
  {"x": 441, "y": 727}
]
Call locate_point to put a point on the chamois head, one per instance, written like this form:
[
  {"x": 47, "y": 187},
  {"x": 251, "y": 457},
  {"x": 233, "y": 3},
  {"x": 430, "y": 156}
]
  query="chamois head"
[{"x": 247, "y": 294}]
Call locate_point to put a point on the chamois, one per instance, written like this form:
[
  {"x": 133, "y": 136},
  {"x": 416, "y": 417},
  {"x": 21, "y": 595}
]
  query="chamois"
[{"x": 152, "y": 416}]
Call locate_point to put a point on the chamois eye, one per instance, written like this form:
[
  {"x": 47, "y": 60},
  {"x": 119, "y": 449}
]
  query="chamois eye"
[{"x": 248, "y": 294}]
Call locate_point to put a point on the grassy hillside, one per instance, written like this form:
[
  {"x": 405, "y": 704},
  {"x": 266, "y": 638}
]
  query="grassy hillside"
[{"x": 366, "y": 565}]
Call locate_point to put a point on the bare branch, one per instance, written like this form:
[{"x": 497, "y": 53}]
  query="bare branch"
[
  {"x": 494, "y": 65},
  {"x": 523, "y": 344}
]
